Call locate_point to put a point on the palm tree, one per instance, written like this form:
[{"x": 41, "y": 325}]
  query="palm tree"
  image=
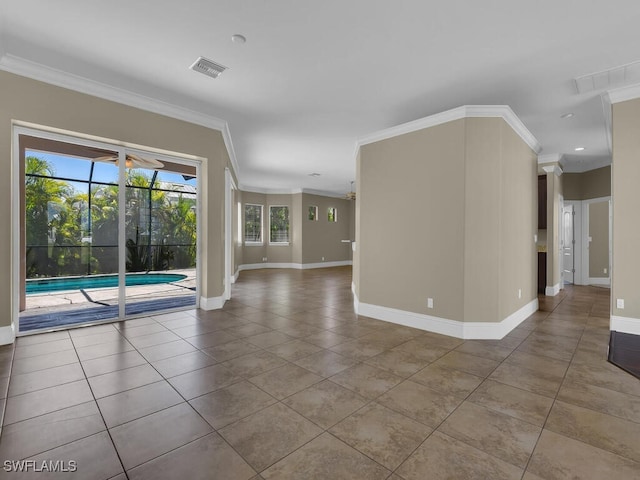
[{"x": 44, "y": 199}]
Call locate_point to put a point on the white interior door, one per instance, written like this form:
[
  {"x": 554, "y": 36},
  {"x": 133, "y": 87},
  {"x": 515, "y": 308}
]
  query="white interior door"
[{"x": 567, "y": 244}]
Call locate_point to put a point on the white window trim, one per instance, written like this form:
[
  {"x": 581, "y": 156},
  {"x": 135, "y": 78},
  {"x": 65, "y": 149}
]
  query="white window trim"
[
  {"x": 316, "y": 214},
  {"x": 335, "y": 214},
  {"x": 251, "y": 243},
  {"x": 280, "y": 244}
]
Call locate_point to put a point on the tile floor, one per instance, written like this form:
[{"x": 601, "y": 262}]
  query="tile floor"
[{"x": 287, "y": 383}]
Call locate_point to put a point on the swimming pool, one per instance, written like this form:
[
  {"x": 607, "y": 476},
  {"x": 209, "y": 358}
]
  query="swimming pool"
[{"x": 46, "y": 285}]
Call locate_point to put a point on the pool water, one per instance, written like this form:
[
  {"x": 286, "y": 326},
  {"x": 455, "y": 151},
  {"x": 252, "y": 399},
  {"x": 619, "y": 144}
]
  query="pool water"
[{"x": 98, "y": 281}]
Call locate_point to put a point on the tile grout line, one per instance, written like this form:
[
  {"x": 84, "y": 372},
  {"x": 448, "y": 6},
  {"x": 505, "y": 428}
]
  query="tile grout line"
[
  {"x": 558, "y": 390},
  {"x": 466, "y": 398},
  {"x": 100, "y": 411},
  {"x": 288, "y": 362},
  {"x": 6, "y": 399}
]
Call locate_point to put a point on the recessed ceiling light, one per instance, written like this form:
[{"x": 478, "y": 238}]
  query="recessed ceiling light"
[
  {"x": 579, "y": 149},
  {"x": 567, "y": 115},
  {"x": 237, "y": 38},
  {"x": 314, "y": 174}
]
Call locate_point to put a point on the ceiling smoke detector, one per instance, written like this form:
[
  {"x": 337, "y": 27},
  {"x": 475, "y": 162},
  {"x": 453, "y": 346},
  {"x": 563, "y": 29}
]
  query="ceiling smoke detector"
[{"x": 207, "y": 67}]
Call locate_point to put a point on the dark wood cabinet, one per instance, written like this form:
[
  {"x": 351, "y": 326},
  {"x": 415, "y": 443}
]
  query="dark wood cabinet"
[
  {"x": 542, "y": 202},
  {"x": 542, "y": 272}
]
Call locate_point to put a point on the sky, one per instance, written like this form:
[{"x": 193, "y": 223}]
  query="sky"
[{"x": 79, "y": 169}]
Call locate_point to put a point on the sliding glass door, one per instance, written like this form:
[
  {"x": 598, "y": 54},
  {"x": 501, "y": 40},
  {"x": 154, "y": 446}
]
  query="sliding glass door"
[
  {"x": 161, "y": 235},
  {"x": 105, "y": 233}
]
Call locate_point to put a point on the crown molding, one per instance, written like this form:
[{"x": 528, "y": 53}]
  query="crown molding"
[
  {"x": 231, "y": 151},
  {"x": 508, "y": 115},
  {"x": 586, "y": 166},
  {"x": 549, "y": 158},
  {"x": 623, "y": 94},
  {"x": 466, "y": 111},
  {"x": 292, "y": 191},
  {"x": 268, "y": 191},
  {"x": 36, "y": 71},
  {"x": 553, "y": 169},
  {"x": 323, "y": 193}
]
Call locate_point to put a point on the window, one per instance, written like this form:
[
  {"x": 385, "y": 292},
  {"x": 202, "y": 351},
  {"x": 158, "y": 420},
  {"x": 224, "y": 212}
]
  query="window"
[
  {"x": 253, "y": 223},
  {"x": 332, "y": 214},
  {"x": 313, "y": 213},
  {"x": 279, "y": 224}
]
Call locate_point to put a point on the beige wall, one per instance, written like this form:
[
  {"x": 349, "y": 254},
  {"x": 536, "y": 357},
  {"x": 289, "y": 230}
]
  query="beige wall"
[
  {"x": 518, "y": 223},
  {"x": 309, "y": 241},
  {"x": 596, "y": 183},
  {"x": 352, "y": 223},
  {"x": 572, "y": 186},
  {"x": 27, "y": 100},
  {"x": 625, "y": 172},
  {"x": 321, "y": 237},
  {"x": 357, "y": 226},
  {"x": 599, "y": 245},
  {"x": 297, "y": 236},
  {"x": 482, "y": 218},
  {"x": 411, "y": 226},
  {"x": 501, "y": 194},
  {"x": 583, "y": 186},
  {"x": 448, "y": 212}
]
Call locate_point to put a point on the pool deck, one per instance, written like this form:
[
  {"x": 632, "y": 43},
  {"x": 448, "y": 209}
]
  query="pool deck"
[{"x": 73, "y": 300}]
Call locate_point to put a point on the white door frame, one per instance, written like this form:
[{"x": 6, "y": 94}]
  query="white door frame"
[{"x": 229, "y": 187}]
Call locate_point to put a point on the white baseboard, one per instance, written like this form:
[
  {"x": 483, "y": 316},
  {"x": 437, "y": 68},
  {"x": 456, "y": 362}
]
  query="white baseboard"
[
  {"x": 7, "y": 335},
  {"x": 552, "y": 291},
  {"x": 606, "y": 281},
  {"x": 295, "y": 266},
  {"x": 259, "y": 266},
  {"x": 234, "y": 279},
  {"x": 356, "y": 302},
  {"x": 497, "y": 330},
  {"x": 212, "y": 303},
  {"x": 625, "y": 325},
  {"x": 341, "y": 263},
  {"x": 444, "y": 326}
]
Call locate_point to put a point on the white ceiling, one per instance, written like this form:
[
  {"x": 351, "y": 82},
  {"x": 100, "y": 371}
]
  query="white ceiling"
[{"x": 316, "y": 75}]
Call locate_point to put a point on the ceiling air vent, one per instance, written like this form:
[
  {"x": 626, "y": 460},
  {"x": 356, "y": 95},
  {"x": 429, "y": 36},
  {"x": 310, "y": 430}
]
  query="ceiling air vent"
[
  {"x": 207, "y": 67},
  {"x": 618, "y": 76}
]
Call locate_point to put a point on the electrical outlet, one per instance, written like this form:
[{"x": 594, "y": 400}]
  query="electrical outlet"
[
  {"x": 264, "y": 259},
  {"x": 604, "y": 270},
  {"x": 519, "y": 293},
  {"x": 620, "y": 303},
  {"x": 429, "y": 302},
  {"x": 323, "y": 259}
]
